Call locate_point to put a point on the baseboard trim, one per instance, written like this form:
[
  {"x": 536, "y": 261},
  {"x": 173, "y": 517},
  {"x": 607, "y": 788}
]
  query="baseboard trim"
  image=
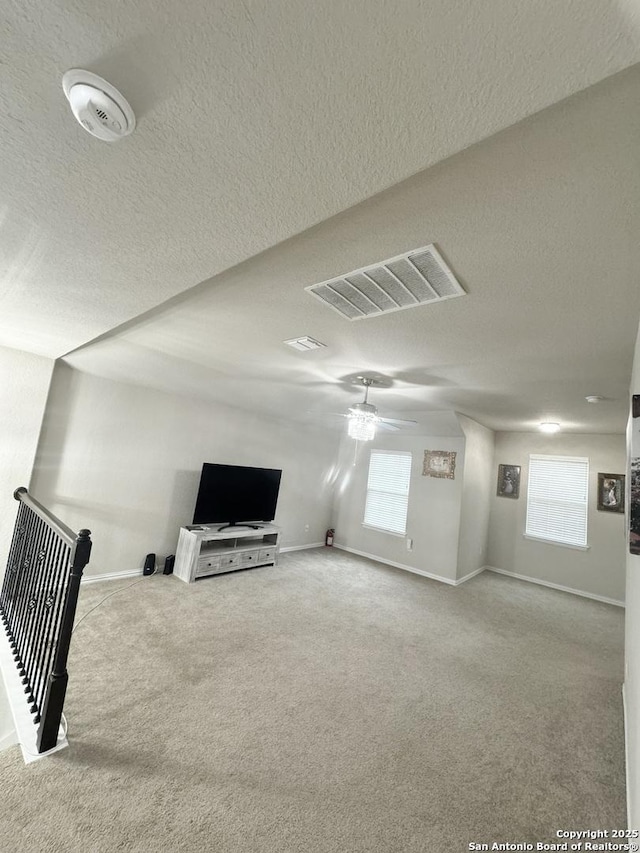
[
  {"x": 288, "y": 548},
  {"x": 134, "y": 573},
  {"x": 626, "y": 750},
  {"x": 469, "y": 576},
  {"x": 111, "y": 576},
  {"x": 400, "y": 565},
  {"x": 557, "y": 586}
]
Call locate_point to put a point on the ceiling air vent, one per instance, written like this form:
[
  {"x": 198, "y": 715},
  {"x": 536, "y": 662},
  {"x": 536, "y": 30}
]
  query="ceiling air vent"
[
  {"x": 305, "y": 344},
  {"x": 408, "y": 280}
]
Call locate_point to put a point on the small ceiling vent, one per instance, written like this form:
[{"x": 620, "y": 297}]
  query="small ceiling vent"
[
  {"x": 406, "y": 281},
  {"x": 305, "y": 344}
]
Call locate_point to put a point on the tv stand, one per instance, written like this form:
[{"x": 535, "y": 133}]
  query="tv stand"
[{"x": 212, "y": 550}]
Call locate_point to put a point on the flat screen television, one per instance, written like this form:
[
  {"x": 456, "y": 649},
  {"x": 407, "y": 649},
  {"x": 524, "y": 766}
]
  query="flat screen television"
[{"x": 236, "y": 494}]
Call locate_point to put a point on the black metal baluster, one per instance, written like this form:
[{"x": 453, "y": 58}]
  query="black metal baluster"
[
  {"x": 30, "y": 649},
  {"x": 17, "y": 567},
  {"x": 23, "y": 614},
  {"x": 12, "y": 574},
  {"x": 15, "y": 576},
  {"x": 24, "y": 650},
  {"x": 53, "y": 545},
  {"x": 10, "y": 577},
  {"x": 57, "y": 685},
  {"x": 36, "y": 635},
  {"x": 17, "y": 545},
  {"x": 23, "y": 593},
  {"x": 61, "y": 557},
  {"x": 52, "y": 640}
]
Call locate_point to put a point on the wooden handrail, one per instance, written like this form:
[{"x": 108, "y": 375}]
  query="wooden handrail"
[{"x": 61, "y": 529}]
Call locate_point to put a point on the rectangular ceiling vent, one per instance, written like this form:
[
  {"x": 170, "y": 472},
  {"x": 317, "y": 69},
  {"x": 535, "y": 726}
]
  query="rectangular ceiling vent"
[
  {"x": 305, "y": 344},
  {"x": 406, "y": 281}
]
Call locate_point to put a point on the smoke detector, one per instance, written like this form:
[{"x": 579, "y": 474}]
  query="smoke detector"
[{"x": 98, "y": 106}]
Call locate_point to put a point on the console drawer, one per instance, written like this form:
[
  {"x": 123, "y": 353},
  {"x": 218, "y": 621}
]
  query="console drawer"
[
  {"x": 267, "y": 555},
  {"x": 207, "y": 565}
]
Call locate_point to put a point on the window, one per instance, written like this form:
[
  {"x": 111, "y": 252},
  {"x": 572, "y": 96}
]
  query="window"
[
  {"x": 557, "y": 499},
  {"x": 388, "y": 491}
]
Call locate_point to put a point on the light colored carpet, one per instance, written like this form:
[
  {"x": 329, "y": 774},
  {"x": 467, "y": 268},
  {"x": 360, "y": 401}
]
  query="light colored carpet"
[{"x": 328, "y": 705}]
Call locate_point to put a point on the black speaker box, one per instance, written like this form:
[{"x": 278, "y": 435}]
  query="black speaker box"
[
  {"x": 168, "y": 564},
  {"x": 149, "y": 564}
]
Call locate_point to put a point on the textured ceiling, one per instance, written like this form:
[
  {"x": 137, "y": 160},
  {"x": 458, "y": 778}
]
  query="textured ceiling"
[
  {"x": 540, "y": 224},
  {"x": 255, "y": 121}
]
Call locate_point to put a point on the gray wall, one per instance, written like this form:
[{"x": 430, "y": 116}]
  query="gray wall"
[
  {"x": 598, "y": 571},
  {"x": 125, "y": 462},
  {"x": 476, "y": 496},
  {"x": 433, "y": 519},
  {"x": 632, "y": 649},
  {"x": 24, "y": 380}
]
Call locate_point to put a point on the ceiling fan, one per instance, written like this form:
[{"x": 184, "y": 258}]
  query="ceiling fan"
[{"x": 364, "y": 418}]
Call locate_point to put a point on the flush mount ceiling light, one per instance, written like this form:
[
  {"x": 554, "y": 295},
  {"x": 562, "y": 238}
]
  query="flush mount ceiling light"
[
  {"x": 98, "y": 106},
  {"x": 550, "y": 427},
  {"x": 594, "y": 398}
]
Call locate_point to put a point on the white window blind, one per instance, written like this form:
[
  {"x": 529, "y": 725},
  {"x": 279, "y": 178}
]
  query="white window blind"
[
  {"x": 388, "y": 490},
  {"x": 557, "y": 499}
]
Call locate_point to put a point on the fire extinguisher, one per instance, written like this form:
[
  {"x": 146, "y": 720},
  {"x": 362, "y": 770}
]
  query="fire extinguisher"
[{"x": 328, "y": 540}]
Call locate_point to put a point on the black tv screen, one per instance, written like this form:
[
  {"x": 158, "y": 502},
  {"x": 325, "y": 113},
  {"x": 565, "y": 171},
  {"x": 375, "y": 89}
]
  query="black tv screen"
[{"x": 230, "y": 494}]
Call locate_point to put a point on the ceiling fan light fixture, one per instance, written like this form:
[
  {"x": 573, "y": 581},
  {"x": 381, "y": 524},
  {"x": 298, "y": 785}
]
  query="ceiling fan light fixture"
[
  {"x": 363, "y": 418},
  {"x": 362, "y": 426}
]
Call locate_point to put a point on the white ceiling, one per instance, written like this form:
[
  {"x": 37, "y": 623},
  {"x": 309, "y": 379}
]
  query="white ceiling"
[{"x": 257, "y": 121}]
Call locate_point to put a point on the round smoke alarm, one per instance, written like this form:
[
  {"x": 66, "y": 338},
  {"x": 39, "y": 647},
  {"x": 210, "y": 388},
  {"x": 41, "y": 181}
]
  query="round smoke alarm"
[{"x": 98, "y": 106}]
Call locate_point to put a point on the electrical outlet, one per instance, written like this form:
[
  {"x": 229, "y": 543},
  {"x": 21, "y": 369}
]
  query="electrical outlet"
[
  {"x": 409, "y": 544},
  {"x": 306, "y": 528}
]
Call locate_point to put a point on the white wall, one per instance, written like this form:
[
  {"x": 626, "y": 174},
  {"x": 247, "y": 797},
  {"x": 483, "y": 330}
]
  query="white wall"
[
  {"x": 125, "y": 462},
  {"x": 476, "y": 496},
  {"x": 632, "y": 650},
  {"x": 598, "y": 571},
  {"x": 24, "y": 384},
  {"x": 433, "y": 520}
]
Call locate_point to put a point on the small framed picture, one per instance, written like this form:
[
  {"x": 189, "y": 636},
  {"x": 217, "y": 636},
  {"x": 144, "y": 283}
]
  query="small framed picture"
[
  {"x": 611, "y": 492},
  {"x": 634, "y": 478},
  {"x": 508, "y": 481},
  {"x": 439, "y": 463}
]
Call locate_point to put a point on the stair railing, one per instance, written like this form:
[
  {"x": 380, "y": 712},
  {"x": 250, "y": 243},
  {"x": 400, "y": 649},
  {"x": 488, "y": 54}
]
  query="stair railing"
[{"x": 37, "y": 608}]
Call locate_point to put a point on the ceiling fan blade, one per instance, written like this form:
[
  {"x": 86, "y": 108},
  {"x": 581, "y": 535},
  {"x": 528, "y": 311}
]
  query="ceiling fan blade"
[
  {"x": 382, "y": 424},
  {"x": 395, "y": 421}
]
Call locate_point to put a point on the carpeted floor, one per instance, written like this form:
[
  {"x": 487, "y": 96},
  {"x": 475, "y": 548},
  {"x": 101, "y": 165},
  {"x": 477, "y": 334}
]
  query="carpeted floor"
[{"x": 328, "y": 705}]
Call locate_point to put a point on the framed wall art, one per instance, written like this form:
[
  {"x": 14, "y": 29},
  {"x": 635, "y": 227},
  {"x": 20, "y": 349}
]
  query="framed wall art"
[
  {"x": 611, "y": 492},
  {"x": 508, "y": 481},
  {"x": 634, "y": 477},
  {"x": 439, "y": 463}
]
